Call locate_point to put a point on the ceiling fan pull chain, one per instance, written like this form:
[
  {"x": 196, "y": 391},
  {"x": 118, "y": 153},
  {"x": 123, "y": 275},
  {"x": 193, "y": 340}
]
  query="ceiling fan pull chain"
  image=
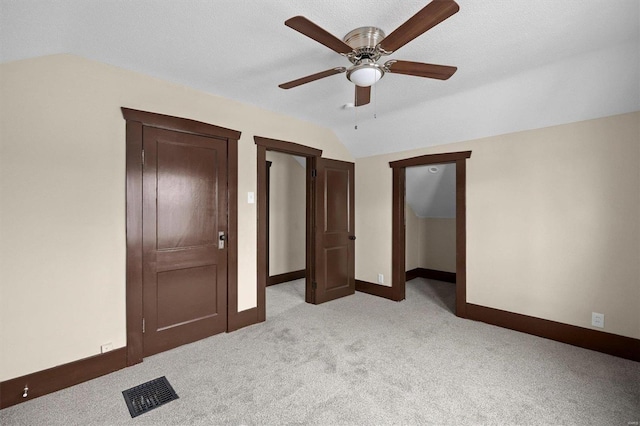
[
  {"x": 375, "y": 102},
  {"x": 355, "y": 113}
]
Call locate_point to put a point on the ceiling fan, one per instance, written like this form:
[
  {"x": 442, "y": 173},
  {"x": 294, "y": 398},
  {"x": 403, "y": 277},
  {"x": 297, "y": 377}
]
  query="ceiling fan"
[{"x": 364, "y": 46}]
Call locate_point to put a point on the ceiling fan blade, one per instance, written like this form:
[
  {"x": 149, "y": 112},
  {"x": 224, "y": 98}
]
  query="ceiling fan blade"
[
  {"x": 363, "y": 95},
  {"x": 312, "y": 77},
  {"x": 311, "y": 30},
  {"x": 427, "y": 18},
  {"x": 441, "y": 72}
]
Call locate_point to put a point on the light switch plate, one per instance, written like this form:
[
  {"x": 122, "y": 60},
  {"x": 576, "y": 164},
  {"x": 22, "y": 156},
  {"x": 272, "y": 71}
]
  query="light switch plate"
[{"x": 251, "y": 198}]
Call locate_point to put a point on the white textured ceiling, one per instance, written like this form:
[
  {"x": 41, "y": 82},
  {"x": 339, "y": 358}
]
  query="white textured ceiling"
[{"x": 522, "y": 64}]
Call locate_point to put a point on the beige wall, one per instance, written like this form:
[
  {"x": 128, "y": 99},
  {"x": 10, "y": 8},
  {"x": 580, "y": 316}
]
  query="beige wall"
[
  {"x": 552, "y": 221},
  {"x": 438, "y": 244},
  {"x": 412, "y": 255},
  {"x": 62, "y": 193},
  {"x": 287, "y": 214},
  {"x": 429, "y": 242}
]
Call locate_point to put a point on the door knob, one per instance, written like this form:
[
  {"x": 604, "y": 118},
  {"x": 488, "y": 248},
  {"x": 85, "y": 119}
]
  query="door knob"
[
  {"x": 221, "y": 238},
  {"x": 352, "y": 237}
]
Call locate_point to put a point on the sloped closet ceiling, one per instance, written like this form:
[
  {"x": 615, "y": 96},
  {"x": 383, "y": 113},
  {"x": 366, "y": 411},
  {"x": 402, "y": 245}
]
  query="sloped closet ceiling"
[{"x": 431, "y": 190}]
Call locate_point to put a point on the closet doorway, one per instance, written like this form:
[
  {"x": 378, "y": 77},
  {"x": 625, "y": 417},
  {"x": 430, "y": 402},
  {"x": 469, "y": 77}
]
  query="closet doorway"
[
  {"x": 399, "y": 262},
  {"x": 430, "y": 228}
]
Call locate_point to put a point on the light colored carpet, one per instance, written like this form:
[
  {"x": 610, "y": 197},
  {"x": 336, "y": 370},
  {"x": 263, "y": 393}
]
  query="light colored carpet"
[{"x": 361, "y": 360}]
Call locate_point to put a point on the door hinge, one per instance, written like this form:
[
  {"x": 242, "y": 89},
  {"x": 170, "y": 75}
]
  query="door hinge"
[
  {"x": 143, "y": 325},
  {"x": 143, "y": 157},
  {"x": 314, "y": 285},
  {"x": 314, "y": 173}
]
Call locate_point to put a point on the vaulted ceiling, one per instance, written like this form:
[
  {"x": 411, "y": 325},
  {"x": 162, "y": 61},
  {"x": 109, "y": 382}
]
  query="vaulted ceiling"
[{"x": 522, "y": 64}]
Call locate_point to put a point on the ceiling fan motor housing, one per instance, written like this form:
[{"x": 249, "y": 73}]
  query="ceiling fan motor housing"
[{"x": 363, "y": 41}]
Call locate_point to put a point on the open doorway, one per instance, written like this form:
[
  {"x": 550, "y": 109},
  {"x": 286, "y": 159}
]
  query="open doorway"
[
  {"x": 399, "y": 262},
  {"x": 286, "y": 216},
  {"x": 329, "y": 224},
  {"x": 310, "y": 155},
  {"x": 430, "y": 229}
]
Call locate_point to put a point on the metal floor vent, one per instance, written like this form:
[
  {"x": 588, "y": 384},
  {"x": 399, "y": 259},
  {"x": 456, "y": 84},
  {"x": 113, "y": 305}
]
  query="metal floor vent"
[{"x": 147, "y": 396}]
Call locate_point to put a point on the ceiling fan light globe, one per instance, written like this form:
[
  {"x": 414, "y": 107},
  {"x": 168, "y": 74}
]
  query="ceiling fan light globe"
[
  {"x": 365, "y": 77},
  {"x": 365, "y": 73}
]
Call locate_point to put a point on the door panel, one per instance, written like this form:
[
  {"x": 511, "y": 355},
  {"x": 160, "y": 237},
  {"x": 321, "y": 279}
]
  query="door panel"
[
  {"x": 337, "y": 201},
  {"x": 176, "y": 304},
  {"x": 334, "y": 230},
  {"x": 184, "y": 208},
  {"x": 186, "y": 195},
  {"x": 336, "y": 260}
]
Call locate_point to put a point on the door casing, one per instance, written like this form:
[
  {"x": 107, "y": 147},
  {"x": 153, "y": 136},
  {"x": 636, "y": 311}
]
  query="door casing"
[
  {"x": 263, "y": 145},
  {"x": 136, "y": 120},
  {"x": 398, "y": 269}
]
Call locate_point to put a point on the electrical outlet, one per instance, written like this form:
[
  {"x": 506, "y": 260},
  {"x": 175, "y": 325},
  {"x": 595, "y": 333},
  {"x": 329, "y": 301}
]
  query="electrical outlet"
[
  {"x": 106, "y": 347},
  {"x": 597, "y": 320},
  {"x": 380, "y": 279}
]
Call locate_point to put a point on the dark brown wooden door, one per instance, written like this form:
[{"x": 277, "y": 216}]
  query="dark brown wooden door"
[
  {"x": 334, "y": 244},
  {"x": 184, "y": 210}
]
